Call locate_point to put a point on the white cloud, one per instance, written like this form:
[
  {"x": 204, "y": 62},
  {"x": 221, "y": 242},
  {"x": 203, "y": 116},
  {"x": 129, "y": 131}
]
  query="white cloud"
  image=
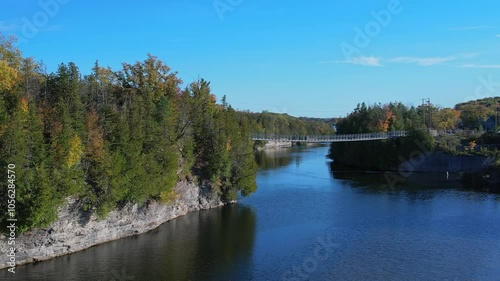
[
  {"x": 474, "y": 27},
  {"x": 365, "y": 61},
  {"x": 419, "y": 61},
  {"x": 422, "y": 61},
  {"x": 368, "y": 61},
  {"x": 7, "y": 27},
  {"x": 468, "y": 55},
  {"x": 472, "y": 65}
]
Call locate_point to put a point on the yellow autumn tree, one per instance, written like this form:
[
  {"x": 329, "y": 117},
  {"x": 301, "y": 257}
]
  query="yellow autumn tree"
[
  {"x": 10, "y": 61},
  {"x": 8, "y": 76},
  {"x": 446, "y": 119},
  {"x": 24, "y": 105},
  {"x": 75, "y": 151}
]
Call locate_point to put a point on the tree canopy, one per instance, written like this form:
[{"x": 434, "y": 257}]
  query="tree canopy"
[
  {"x": 473, "y": 113},
  {"x": 113, "y": 137},
  {"x": 284, "y": 124}
]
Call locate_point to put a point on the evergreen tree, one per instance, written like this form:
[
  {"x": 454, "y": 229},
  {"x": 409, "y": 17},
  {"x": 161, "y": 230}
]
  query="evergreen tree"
[{"x": 112, "y": 138}]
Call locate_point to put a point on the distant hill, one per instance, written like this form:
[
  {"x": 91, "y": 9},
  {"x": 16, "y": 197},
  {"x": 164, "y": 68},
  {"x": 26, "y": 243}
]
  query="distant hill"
[
  {"x": 284, "y": 124},
  {"x": 474, "y": 113},
  {"x": 487, "y": 104}
]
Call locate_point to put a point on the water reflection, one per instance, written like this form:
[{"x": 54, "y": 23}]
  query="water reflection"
[
  {"x": 382, "y": 180},
  {"x": 198, "y": 246},
  {"x": 275, "y": 158},
  {"x": 417, "y": 186},
  {"x": 421, "y": 229}
]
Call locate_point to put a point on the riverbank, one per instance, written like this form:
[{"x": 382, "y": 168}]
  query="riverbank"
[
  {"x": 74, "y": 231},
  {"x": 269, "y": 145},
  {"x": 406, "y": 156},
  {"x": 265, "y": 145}
]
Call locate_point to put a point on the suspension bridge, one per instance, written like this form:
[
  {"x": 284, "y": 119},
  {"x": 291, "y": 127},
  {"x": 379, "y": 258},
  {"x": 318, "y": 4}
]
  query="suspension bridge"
[{"x": 328, "y": 138}]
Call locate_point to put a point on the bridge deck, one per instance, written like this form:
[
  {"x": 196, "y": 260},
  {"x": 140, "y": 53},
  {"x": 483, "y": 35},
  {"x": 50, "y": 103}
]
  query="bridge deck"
[{"x": 330, "y": 138}]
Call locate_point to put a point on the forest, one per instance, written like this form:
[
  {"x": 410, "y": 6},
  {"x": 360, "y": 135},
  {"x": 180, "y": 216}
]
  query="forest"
[
  {"x": 462, "y": 132},
  {"x": 283, "y": 124},
  {"x": 478, "y": 110},
  {"x": 112, "y": 137},
  {"x": 396, "y": 116}
]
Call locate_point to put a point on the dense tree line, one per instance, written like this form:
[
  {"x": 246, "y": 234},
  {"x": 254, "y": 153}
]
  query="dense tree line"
[
  {"x": 416, "y": 121},
  {"x": 383, "y": 154},
  {"x": 473, "y": 113},
  {"x": 396, "y": 116},
  {"x": 113, "y": 137},
  {"x": 284, "y": 124},
  {"x": 380, "y": 118}
]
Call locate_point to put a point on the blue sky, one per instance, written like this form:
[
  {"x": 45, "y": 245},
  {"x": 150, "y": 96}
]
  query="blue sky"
[{"x": 295, "y": 57}]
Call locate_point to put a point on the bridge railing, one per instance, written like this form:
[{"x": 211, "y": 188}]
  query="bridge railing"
[{"x": 328, "y": 138}]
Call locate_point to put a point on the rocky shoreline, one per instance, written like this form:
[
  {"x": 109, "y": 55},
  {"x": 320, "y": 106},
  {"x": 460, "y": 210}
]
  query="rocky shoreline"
[
  {"x": 266, "y": 145},
  {"x": 270, "y": 145},
  {"x": 74, "y": 231}
]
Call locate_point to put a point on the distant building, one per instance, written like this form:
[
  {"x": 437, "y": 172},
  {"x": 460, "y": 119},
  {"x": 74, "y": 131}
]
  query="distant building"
[{"x": 489, "y": 124}]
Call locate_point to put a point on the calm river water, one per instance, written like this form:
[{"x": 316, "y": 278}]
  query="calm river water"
[{"x": 306, "y": 222}]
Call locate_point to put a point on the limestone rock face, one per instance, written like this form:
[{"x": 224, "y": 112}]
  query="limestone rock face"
[
  {"x": 275, "y": 144},
  {"x": 75, "y": 231}
]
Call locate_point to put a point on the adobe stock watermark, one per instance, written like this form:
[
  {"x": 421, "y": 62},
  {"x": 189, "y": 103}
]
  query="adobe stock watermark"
[
  {"x": 11, "y": 217},
  {"x": 485, "y": 88},
  {"x": 407, "y": 167},
  {"x": 225, "y": 6},
  {"x": 364, "y": 36},
  {"x": 322, "y": 251},
  {"x": 121, "y": 276},
  {"x": 112, "y": 275},
  {"x": 40, "y": 19}
]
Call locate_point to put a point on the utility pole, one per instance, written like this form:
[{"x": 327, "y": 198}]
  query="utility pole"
[
  {"x": 423, "y": 111},
  {"x": 430, "y": 112},
  {"x": 496, "y": 112}
]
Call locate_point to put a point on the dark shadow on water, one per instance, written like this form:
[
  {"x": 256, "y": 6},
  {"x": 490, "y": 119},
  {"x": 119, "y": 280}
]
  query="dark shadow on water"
[
  {"x": 394, "y": 181},
  {"x": 198, "y": 246}
]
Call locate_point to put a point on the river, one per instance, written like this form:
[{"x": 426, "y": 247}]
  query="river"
[{"x": 307, "y": 222}]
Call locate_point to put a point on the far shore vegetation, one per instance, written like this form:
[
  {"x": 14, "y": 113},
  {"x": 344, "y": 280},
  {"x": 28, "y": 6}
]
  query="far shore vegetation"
[{"x": 467, "y": 129}]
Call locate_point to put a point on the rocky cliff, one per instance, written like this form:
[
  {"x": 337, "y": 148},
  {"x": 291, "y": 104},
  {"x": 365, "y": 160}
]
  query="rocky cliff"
[
  {"x": 441, "y": 162},
  {"x": 75, "y": 231},
  {"x": 274, "y": 144}
]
